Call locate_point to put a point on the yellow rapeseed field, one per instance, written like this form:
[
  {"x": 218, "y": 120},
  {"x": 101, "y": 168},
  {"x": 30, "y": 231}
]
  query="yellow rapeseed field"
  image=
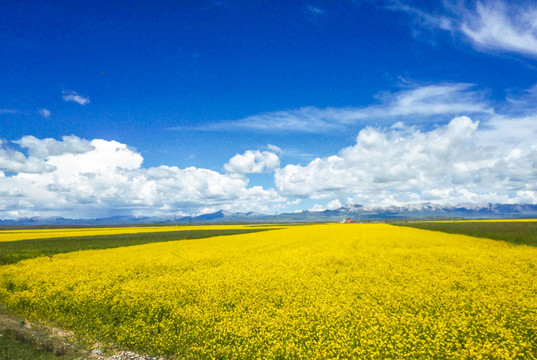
[
  {"x": 483, "y": 221},
  {"x": 27, "y": 234},
  {"x": 366, "y": 291}
]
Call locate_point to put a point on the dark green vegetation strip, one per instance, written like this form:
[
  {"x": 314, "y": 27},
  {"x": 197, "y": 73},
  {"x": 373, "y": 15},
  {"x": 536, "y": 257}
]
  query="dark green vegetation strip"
[
  {"x": 14, "y": 251},
  {"x": 14, "y": 349},
  {"x": 20, "y": 340},
  {"x": 519, "y": 233}
]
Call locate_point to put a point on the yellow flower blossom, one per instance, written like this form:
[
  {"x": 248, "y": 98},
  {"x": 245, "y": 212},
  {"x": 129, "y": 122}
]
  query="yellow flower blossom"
[{"x": 338, "y": 291}]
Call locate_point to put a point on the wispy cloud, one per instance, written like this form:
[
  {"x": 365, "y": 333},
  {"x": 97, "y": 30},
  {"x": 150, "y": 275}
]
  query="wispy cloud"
[
  {"x": 274, "y": 148},
  {"x": 498, "y": 26},
  {"x": 314, "y": 10},
  {"x": 45, "y": 113},
  {"x": 71, "y": 96},
  {"x": 9, "y": 111},
  {"x": 489, "y": 25},
  {"x": 422, "y": 17},
  {"x": 419, "y": 102}
]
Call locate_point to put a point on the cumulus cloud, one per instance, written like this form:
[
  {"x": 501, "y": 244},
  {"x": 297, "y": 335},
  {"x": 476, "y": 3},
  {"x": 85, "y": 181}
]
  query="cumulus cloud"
[
  {"x": 253, "y": 161},
  {"x": 418, "y": 102},
  {"x": 489, "y": 25},
  {"x": 15, "y": 161},
  {"x": 71, "y": 96},
  {"x": 74, "y": 177},
  {"x": 388, "y": 166},
  {"x": 317, "y": 207},
  {"x": 43, "y": 148},
  {"x": 334, "y": 204}
]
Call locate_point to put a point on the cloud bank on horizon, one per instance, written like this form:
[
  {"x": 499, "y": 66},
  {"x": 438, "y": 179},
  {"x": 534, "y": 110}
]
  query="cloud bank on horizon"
[
  {"x": 464, "y": 160},
  {"x": 432, "y": 141},
  {"x": 81, "y": 178}
]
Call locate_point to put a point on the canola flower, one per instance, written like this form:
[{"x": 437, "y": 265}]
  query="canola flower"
[
  {"x": 482, "y": 221},
  {"x": 28, "y": 234},
  {"x": 366, "y": 291}
]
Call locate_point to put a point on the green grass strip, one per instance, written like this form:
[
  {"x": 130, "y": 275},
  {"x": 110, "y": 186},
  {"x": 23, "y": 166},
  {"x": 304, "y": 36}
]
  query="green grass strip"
[
  {"x": 13, "y": 349},
  {"x": 518, "y": 233},
  {"x": 14, "y": 251}
]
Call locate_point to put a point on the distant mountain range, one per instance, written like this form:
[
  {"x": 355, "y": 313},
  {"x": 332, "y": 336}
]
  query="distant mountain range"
[{"x": 356, "y": 212}]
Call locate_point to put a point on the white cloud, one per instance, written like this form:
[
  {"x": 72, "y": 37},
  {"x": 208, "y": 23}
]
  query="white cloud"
[
  {"x": 314, "y": 10},
  {"x": 45, "y": 113},
  {"x": 79, "y": 178},
  {"x": 9, "y": 111},
  {"x": 422, "y": 17},
  {"x": 489, "y": 25},
  {"x": 71, "y": 96},
  {"x": 418, "y": 102},
  {"x": 43, "y": 148},
  {"x": 334, "y": 204},
  {"x": 509, "y": 132},
  {"x": 274, "y": 148},
  {"x": 15, "y": 161},
  {"x": 524, "y": 102},
  {"x": 317, "y": 207},
  {"x": 253, "y": 161},
  {"x": 449, "y": 164},
  {"x": 494, "y": 25},
  {"x": 489, "y": 158}
]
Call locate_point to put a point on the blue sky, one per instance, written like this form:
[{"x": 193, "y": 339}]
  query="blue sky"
[{"x": 177, "y": 107}]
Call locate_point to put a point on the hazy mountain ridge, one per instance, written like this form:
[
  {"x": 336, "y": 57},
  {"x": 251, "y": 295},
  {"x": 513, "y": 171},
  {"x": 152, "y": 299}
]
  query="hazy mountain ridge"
[{"x": 357, "y": 212}]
